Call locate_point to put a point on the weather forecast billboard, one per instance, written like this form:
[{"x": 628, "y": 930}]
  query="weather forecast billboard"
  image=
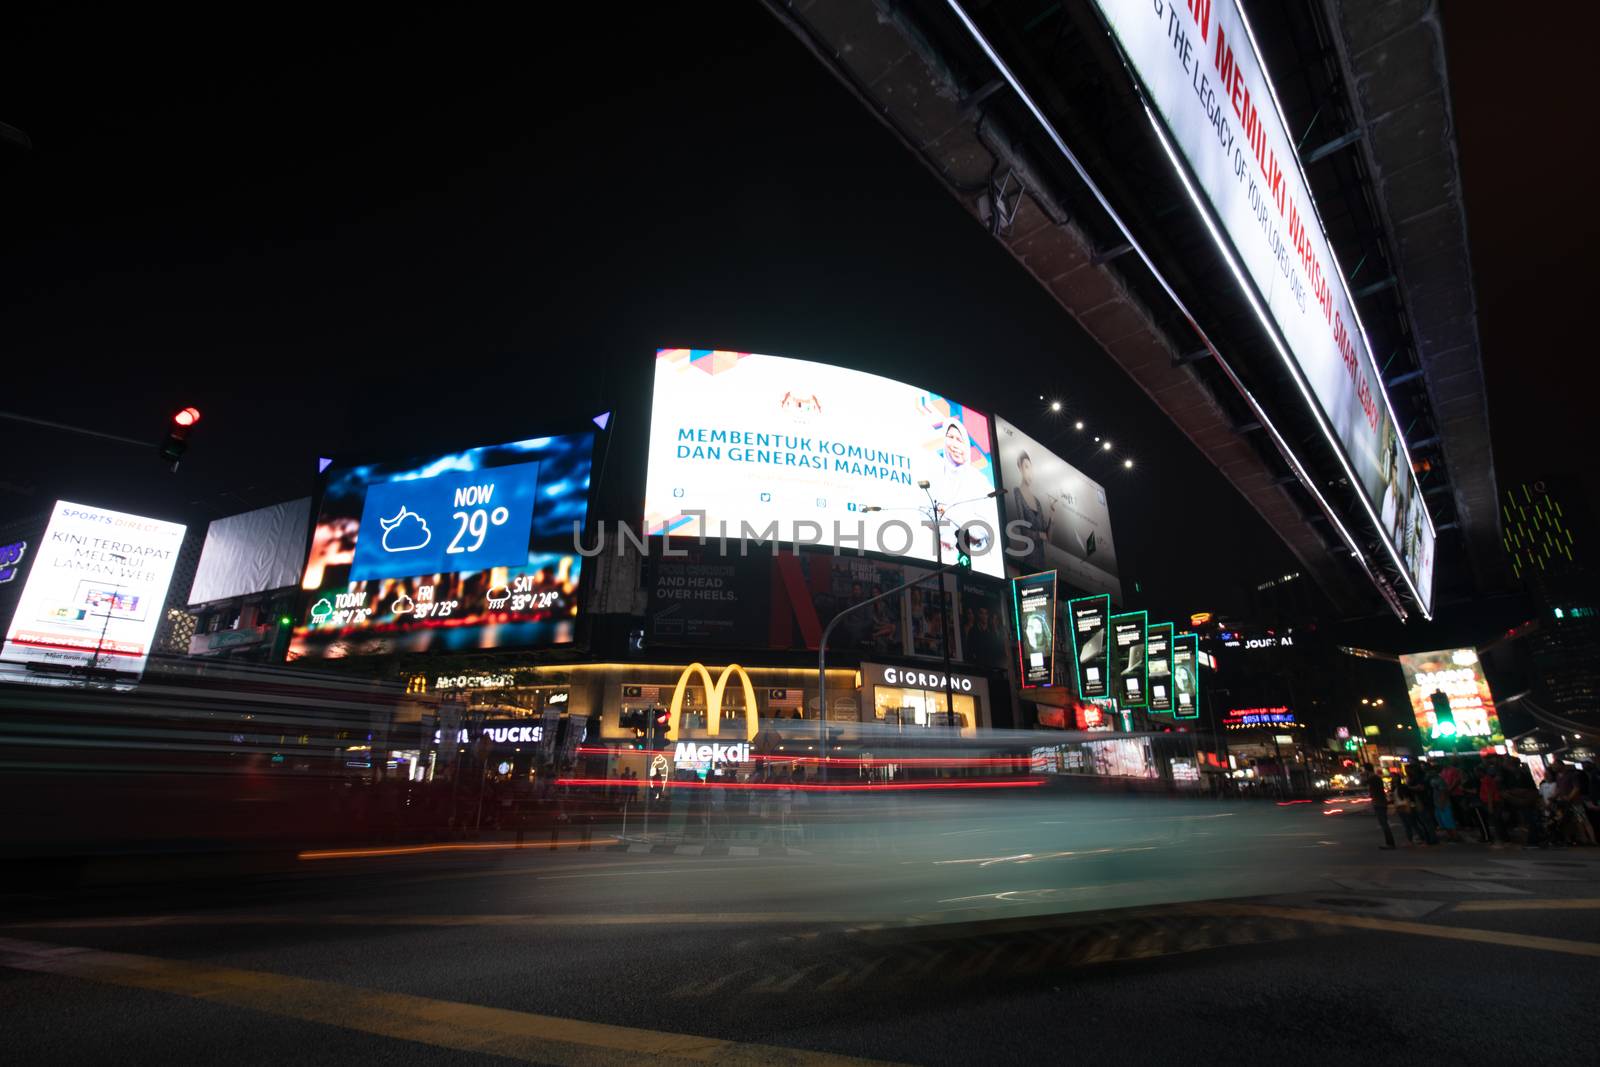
[
  {"x": 789, "y": 450},
  {"x": 1062, "y": 511},
  {"x": 95, "y": 593},
  {"x": 457, "y": 551},
  {"x": 1457, "y": 674},
  {"x": 1202, "y": 74}
]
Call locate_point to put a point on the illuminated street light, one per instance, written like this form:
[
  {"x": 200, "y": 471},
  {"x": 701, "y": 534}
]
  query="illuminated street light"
[
  {"x": 1106, "y": 447},
  {"x": 1078, "y": 425},
  {"x": 1055, "y": 405},
  {"x": 1127, "y": 464}
]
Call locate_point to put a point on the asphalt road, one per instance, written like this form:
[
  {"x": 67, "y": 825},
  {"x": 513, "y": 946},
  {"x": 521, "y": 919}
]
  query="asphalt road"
[{"x": 979, "y": 929}]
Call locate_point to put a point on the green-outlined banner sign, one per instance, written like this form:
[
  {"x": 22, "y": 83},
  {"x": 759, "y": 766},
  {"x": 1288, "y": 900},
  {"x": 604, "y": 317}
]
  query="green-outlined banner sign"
[
  {"x": 1034, "y": 598},
  {"x": 1186, "y": 676},
  {"x": 1158, "y": 655},
  {"x": 1128, "y": 658},
  {"x": 1090, "y": 616}
]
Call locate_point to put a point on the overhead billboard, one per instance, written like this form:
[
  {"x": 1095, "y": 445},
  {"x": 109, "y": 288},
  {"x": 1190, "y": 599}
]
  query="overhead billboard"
[
  {"x": 1201, "y": 71},
  {"x": 1129, "y": 661},
  {"x": 1034, "y": 602},
  {"x": 1061, "y": 511},
  {"x": 253, "y": 552},
  {"x": 1158, "y": 653},
  {"x": 1186, "y": 676},
  {"x": 1091, "y": 650},
  {"x": 747, "y": 445},
  {"x": 94, "y": 594},
  {"x": 460, "y": 551},
  {"x": 1457, "y": 673}
]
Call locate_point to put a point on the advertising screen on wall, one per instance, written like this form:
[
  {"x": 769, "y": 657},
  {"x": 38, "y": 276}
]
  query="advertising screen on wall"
[
  {"x": 1202, "y": 73},
  {"x": 253, "y": 552},
  {"x": 94, "y": 593},
  {"x": 1158, "y": 651},
  {"x": 1457, "y": 674},
  {"x": 789, "y": 450},
  {"x": 467, "y": 550},
  {"x": 1128, "y": 657},
  {"x": 1186, "y": 676},
  {"x": 1062, "y": 512},
  {"x": 1090, "y": 647},
  {"x": 1034, "y": 601}
]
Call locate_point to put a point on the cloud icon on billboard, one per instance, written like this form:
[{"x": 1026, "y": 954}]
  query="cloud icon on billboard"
[
  {"x": 498, "y": 595},
  {"x": 402, "y": 605},
  {"x": 406, "y": 532},
  {"x": 321, "y": 610}
]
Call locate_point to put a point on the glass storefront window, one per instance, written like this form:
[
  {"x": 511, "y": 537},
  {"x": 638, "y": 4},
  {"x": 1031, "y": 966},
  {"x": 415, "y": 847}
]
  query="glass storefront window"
[{"x": 917, "y": 707}]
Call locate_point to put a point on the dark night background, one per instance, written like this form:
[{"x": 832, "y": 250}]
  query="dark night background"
[{"x": 340, "y": 237}]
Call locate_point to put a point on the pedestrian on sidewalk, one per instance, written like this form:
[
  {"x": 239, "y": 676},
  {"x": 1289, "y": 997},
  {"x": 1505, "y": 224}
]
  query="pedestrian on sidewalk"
[
  {"x": 1380, "y": 803},
  {"x": 1442, "y": 811},
  {"x": 1421, "y": 795},
  {"x": 1406, "y": 807}
]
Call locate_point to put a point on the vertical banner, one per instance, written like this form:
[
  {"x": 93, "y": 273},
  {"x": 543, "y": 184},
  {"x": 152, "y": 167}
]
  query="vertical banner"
[
  {"x": 1034, "y": 598},
  {"x": 1158, "y": 654},
  {"x": 1128, "y": 635},
  {"x": 1186, "y": 676},
  {"x": 1092, "y": 652}
]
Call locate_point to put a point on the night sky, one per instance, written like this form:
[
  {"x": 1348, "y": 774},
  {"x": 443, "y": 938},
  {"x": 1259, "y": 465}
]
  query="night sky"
[{"x": 346, "y": 238}]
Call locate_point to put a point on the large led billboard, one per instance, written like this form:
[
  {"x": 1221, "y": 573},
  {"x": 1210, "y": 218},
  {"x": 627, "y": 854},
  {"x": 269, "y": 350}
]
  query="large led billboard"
[
  {"x": 1202, "y": 73},
  {"x": 467, "y": 550},
  {"x": 789, "y": 450},
  {"x": 95, "y": 593},
  {"x": 1457, "y": 674},
  {"x": 1061, "y": 511}
]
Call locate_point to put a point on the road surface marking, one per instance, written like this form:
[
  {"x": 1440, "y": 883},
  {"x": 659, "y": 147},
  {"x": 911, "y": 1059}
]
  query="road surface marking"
[
  {"x": 1577, "y": 904},
  {"x": 1396, "y": 926},
  {"x": 544, "y": 919},
  {"x": 418, "y": 850},
  {"x": 440, "y": 1023}
]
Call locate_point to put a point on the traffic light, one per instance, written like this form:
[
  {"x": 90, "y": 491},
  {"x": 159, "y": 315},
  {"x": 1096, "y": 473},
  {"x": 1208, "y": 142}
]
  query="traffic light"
[
  {"x": 964, "y": 548},
  {"x": 177, "y": 442},
  {"x": 659, "y": 720},
  {"x": 1444, "y": 721}
]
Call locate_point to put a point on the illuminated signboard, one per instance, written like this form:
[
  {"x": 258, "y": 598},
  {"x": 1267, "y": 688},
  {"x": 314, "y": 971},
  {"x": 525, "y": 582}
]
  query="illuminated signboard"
[
  {"x": 1128, "y": 657},
  {"x": 1091, "y": 647},
  {"x": 1186, "y": 676},
  {"x": 95, "y": 593},
  {"x": 1201, "y": 71},
  {"x": 1244, "y": 718},
  {"x": 11, "y": 555},
  {"x": 1457, "y": 674},
  {"x": 746, "y": 445},
  {"x": 1158, "y": 651},
  {"x": 1235, "y": 640},
  {"x": 1060, "y": 510},
  {"x": 466, "y": 550},
  {"x": 1034, "y": 598}
]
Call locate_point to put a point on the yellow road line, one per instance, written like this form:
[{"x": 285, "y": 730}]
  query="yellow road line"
[
  {"x": 1397, "y": 926},
  {"x": 417, "y": 850},
  {"x": 1574, "y": 904},
  {"x": 269, "y": 919},
  {"x": 440, "y": 1023}
]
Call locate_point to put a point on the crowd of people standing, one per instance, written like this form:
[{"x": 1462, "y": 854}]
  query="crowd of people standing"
[{"x": 1493, "y": 799}]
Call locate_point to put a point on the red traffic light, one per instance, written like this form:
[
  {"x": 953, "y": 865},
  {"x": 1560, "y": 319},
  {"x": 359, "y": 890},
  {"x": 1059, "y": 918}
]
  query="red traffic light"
[
  {"x": 187, "y": 417},
  {"x": 663, "y": 716}
]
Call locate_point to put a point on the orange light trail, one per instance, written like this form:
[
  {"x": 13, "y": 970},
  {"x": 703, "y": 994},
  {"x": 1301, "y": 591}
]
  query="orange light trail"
[{"x": 415, "y": 850}]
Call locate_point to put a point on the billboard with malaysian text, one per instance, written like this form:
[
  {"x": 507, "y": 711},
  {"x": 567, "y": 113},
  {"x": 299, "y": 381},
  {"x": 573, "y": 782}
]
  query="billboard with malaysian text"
[
  {"x": 747, "y": 445},
  {"x": 1216, "y": 108},
  {"x": 94, "y": 594}
]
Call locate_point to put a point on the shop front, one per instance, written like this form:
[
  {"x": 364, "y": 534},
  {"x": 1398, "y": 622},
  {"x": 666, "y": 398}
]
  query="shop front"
[{"x": 913, "y": 697}]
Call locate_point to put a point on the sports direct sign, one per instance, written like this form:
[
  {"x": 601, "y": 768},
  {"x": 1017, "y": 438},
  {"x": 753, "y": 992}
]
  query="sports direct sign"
[{"x": 1199, "y": 65}]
